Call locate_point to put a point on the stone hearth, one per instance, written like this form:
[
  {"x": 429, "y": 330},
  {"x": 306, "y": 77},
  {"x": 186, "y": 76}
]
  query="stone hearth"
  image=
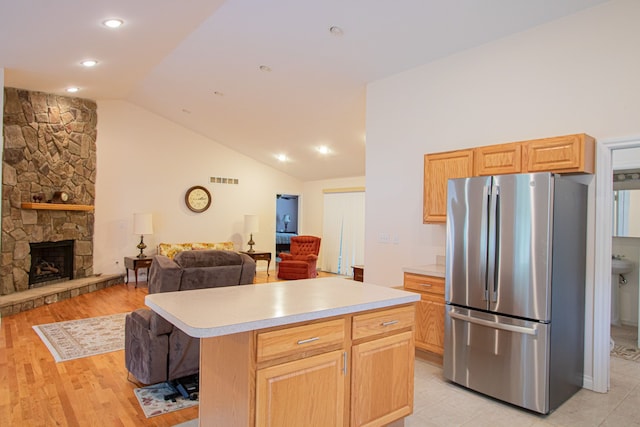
[
  {"x": 36, "y": 297},
  {"x": 49, "y": 146}
]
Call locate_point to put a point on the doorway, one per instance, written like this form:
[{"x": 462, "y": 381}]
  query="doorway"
[
  {"x": 287, "y": 209},
  {"x": 625, "y": 251},
  {"x": 602, "y": 256}
]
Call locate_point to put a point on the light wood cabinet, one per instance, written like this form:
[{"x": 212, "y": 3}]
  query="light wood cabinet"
[
  {"x": 498, "y": 159},
  {"x": 429, "y": 320},
  {"x": 349, "y": 370},
  {"x": 306, "y": 392},
  {"x": 380, "y": 395},
  {"x": 562, "y": 154},
  {"x": 438, "y": 169}
]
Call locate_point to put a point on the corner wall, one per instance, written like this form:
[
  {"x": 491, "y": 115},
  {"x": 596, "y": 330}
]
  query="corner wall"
[{"x": 146, "y": 164}]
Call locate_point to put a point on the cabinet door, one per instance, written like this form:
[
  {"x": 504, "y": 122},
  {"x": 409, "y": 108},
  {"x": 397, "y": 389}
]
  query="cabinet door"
[
  {"x": 498, "y": 159},
  {"x": 306, "y": 392},
  {"x": 562, "y": 154},
  {"x": 438, "y": 168},
  {"x": 382, "y": 380},
  {"x": 430, "y": 323}
]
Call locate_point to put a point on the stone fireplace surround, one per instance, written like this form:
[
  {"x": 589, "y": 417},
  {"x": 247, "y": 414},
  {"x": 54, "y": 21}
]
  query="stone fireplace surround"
[{"x": 49, "y": 146}]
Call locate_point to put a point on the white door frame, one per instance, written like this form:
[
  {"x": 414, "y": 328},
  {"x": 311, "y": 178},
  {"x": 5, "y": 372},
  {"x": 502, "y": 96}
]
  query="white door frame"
[{"x": 602, "y": 255}]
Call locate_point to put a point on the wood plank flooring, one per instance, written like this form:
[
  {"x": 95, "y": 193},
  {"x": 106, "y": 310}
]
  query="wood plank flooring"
[{"x": 92, "y": 391}]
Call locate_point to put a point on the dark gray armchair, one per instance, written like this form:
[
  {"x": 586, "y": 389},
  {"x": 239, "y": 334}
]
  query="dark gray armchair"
[{"x": 155, "y": 350}]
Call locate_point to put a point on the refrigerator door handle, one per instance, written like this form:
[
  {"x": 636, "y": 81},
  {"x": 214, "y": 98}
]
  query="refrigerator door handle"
[
  {"x": 494, "y": 325},
  {"x": 496, "y": 245},
  {"x": 492, "y": 255},
  {"x": 486, "y": 196}
]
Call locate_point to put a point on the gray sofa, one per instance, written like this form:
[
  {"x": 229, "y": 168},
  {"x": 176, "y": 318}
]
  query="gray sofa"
[{"x": 156, "y": 351}]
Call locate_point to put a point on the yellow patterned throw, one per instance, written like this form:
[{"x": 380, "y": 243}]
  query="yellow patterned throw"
[{"x": 171, "y": 249}]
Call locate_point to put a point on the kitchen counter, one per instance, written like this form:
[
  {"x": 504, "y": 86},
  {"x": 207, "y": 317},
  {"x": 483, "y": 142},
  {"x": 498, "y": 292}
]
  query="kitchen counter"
[
  {"x": 434, "y": 270},
  {"x": 222, "y": 311},
  {"x": 298, "y": 359}
]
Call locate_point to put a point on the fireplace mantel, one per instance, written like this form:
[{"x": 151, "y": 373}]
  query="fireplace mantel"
[{"x": 57, "y": 207}]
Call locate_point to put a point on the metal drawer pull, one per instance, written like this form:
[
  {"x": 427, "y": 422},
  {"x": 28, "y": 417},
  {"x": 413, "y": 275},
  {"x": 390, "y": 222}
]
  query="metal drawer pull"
[
  {"x": 426, "y": 285},
  {"x": 308, "y": 340},
  {"x": 389, "y": 323}
]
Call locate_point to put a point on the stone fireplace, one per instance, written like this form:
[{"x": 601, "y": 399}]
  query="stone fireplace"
[{"x": 49, "y": 146}]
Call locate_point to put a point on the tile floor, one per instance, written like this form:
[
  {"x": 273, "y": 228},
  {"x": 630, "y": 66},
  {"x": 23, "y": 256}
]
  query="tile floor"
[{"x": 440, "y": 403}]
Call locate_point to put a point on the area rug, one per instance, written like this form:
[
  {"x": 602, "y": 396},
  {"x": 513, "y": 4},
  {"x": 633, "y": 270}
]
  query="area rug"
[
  {"x": 626, "y": 352},
  {"x": 152, "y": 401},
  {"x": 74, "y": 339}
]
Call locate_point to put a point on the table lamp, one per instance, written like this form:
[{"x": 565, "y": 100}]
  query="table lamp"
[
  {"x": 142, "y": 224},
  {"x": 251, "y": 226},
  {"x": 286, "y": 219}
]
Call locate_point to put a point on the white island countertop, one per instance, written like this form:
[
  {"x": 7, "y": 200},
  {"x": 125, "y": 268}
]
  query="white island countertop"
[{"x": 212, "y": 312}]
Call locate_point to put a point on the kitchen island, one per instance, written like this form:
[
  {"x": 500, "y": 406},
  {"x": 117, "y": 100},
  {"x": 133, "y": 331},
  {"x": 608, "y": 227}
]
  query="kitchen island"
[{"x": 314, "y": 352}]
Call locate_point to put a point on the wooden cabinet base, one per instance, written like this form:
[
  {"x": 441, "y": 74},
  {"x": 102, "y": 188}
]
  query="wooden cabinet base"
[{"x": 361, "y": 376}]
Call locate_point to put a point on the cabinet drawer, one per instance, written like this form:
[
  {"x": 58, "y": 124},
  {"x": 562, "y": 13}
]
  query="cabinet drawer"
[
  {"x": 366, "y": 325},
  {"x": 299, "y": 339},
  {"x": 418, "y": 282}
]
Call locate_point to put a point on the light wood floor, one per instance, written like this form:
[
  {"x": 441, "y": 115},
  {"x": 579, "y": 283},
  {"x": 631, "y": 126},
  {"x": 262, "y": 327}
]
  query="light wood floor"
[{"x": 92, "y": 391}]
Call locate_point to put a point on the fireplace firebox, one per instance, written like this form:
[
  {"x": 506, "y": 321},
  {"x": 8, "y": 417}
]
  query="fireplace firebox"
[{"x": 50, "y": 261}]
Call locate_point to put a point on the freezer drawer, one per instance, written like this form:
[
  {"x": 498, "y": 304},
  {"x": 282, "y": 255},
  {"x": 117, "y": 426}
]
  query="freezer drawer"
[{"x": 499, "y": 356}]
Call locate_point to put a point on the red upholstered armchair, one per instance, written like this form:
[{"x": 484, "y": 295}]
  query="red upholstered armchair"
[{"x": 301, "y": 262}]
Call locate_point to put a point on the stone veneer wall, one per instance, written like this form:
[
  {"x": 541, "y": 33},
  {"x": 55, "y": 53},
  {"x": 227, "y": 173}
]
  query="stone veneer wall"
[{"x": 49, "y": 145}]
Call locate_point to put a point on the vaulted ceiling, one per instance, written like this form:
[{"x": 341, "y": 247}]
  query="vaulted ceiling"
[{"x": 263, "y": 77}]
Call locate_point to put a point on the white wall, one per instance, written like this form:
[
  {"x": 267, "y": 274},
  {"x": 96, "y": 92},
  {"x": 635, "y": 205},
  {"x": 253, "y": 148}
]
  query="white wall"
[
  {"x": 146, "y": 163},
  {"x": 578, "y": 74}
]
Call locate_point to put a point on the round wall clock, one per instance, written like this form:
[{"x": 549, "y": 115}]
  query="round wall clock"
[{"x": 198, "y": 198}]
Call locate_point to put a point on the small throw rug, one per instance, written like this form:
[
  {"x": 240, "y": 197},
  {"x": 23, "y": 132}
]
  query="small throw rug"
[
  {"x": 626, "y": 352},
  {"x": 74, "y": 339},
  {"x": 152, "y": 401}
]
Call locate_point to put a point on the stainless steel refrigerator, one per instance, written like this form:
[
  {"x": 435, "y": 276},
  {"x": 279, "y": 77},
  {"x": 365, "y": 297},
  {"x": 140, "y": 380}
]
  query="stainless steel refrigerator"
[{"x": 514, "y": 289}]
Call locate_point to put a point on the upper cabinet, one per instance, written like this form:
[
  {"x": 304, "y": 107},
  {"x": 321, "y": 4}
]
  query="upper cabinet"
[
  {"x": 562, "y": 154},
  {"x": 438, "y": 168},
  {"x": 498, "y": 159}
]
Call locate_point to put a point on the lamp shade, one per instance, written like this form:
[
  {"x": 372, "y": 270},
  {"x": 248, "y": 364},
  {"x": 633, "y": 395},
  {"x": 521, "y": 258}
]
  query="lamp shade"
[
  {"x": 251, "y": 224},
  {"x": 142, "y": 223},
  {"x": 286, "y": 218}
]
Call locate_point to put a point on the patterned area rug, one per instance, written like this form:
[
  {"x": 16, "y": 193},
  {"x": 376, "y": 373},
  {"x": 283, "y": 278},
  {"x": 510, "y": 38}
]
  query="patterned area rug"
[
  {"x": 625, "y": 338},
  {"x": 152, "y": 401},
  {"x": 626, "y": 352},
  {"x": 74, "y": 339}
]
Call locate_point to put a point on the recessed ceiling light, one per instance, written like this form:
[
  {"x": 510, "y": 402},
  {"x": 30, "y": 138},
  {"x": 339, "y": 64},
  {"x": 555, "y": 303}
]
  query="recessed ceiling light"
[
  {"x": 89, "y": 63},
  {"x": 73, "y": 89},
  {"x": 265, "y": 68},
  {"x": 336, "y": 31},
  {"x": 282, "y": 157},
  {"x": 113, "y": 23},
  {"x": 323, "y": 149}
]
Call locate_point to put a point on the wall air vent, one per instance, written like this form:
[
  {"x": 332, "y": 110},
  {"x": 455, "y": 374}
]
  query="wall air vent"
[{"x": 220, "y": 180}]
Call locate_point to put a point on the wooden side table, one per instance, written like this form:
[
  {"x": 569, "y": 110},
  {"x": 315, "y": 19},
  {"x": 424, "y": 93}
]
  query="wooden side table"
[
  {"x": 135, "y": 263},
  {"x": 260, "y": 256},
  {"x": 358, "y": 272}
]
